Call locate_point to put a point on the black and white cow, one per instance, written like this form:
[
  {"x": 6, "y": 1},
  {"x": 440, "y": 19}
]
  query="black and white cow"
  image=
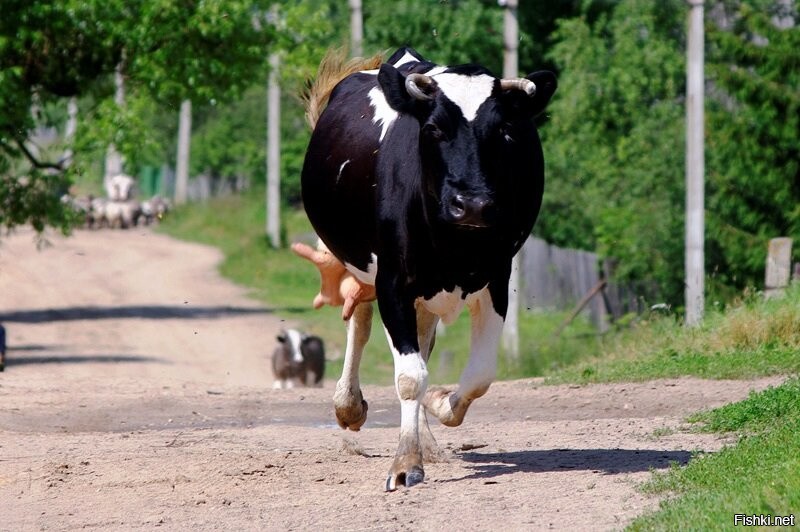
[{"x": 435, "y": 174}]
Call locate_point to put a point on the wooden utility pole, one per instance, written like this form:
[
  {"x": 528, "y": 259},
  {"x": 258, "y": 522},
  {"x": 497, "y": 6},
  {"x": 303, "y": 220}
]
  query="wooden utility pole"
[
  {"x": 274, "y": 152},
  {"x": 695, "y": 166},
  {"x": 356, "y": 28},
  {"x": 113, "y": 164},
  {"x": 182, "y": 163},
  {"x": 511, "y": 70}
]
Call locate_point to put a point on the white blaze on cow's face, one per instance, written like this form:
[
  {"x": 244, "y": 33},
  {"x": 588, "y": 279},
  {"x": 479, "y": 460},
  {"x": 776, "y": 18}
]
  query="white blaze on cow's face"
[
  {"x": 295, "y": 339},
  {"x": 467, "y": 92}
]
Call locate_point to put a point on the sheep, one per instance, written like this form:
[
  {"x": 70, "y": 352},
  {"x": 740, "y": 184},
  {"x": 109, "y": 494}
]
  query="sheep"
[
  {"x": 299, "y": 359},
  {"x": 122, "y": 214},
  {"x": 120, "y": 187},
  {"x": 154, "y": 209}
]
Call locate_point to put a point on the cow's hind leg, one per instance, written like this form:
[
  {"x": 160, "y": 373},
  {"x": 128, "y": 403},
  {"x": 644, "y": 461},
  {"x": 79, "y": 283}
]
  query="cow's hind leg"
[
  {"x": 487, "y": 326},
  {"x": 348, "y": 402}
]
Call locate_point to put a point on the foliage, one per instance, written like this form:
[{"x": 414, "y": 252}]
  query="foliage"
[
  {"x": 753, "y": 136},
  {"x": 615, "y": 144},
  {"x": 450, "y": 32},
  {"x": 756, "y": 476},
  {"x": 165, "y": 49},
  {"x": 229, "y": 140}
]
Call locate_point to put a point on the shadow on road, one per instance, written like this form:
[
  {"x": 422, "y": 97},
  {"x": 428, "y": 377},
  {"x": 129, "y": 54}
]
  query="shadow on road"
[
  {"x": 606, "y": 461},
  {"x": 154, "y": 312},
  {"x": 13, "y": 360}
]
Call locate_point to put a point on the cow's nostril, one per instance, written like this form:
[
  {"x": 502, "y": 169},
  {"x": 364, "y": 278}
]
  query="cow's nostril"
[{"x": 458, "y": 207}]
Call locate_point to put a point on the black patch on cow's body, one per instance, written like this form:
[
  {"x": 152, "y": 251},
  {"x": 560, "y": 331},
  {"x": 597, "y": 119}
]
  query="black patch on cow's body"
[{"x": 389, "y": 199}]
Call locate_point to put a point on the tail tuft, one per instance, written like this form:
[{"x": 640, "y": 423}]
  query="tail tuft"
[{"x": 335, "y": 66}]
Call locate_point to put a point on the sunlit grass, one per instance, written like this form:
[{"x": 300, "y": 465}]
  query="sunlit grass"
[
  {"x": 752, "y": 337},
  {"x": 759, "y": 475}
]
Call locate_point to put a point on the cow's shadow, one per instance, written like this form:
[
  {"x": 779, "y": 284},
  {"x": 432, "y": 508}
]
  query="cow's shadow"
[{"x": 605, "y": 461}]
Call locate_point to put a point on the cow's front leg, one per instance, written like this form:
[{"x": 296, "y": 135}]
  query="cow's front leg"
[
  {"x": 487, "y": 309},
  {"x": 410, "y": 378},
  {"x": 348, "y": 402},
  {"x": 426, "y": 336}
]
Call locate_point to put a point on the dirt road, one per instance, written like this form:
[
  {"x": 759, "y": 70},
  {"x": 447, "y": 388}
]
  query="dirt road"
[{"x": 137, "y": 395}]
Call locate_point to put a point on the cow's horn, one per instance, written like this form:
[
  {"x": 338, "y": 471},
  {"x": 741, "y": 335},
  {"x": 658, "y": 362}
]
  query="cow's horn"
[
  {"x": 519, "y": 84},
  {"x": 415, "y": 81}
]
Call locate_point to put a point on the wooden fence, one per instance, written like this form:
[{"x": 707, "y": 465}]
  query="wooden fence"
[{"x": 556, "y": 278}]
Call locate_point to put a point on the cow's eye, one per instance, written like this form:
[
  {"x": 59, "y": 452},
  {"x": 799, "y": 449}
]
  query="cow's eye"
[{"x": 432, "y": 131}]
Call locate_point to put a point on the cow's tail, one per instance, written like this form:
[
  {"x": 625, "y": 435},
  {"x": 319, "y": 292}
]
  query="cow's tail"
[{"x": 333, "y": 69}]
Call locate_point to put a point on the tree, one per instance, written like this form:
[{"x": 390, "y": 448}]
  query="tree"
[
  {"x": 615, "y": 142},
  {"x": 614, "y": 145},
  {"x": 453, "y": 32},
  {"x": 754, "y": 135},
  {"x": 167, "y": 50}
]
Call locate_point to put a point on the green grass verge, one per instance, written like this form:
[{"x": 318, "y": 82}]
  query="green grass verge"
[
  {"x": 759, "y": 475},
  {"x": 287, "y": 284},
  {"x": 753, "y": 337}
]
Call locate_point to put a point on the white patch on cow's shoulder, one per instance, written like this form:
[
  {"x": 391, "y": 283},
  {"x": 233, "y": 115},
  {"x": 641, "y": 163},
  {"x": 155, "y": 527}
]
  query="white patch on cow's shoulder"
[
  {"x": 295, "y": 338},
  {"x": 446, "y": 305},
  {"x": 467, "y": 92},
  {"x": 384, "y": 115},
  {"x": 367, "y": 277}
]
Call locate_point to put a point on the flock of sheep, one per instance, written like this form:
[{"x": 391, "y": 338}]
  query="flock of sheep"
[{"x": 119, "y": 209}]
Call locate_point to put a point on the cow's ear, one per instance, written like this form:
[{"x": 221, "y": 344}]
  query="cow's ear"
[
  {"x": 402, "y": 95},
  {"x": 545, "y": 87},
  {"x": 393, "y": 85}
]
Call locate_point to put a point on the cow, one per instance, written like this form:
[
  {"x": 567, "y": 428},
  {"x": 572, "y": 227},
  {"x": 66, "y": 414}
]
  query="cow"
[
  {"x": 423, "y": 181},
  {"x": 298, "y": 359}
]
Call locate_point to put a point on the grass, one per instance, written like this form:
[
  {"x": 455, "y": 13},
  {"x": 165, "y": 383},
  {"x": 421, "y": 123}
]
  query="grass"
[
  {"x": 759, "y": 475},
  {"x": 287, "y": 284},
  {"x": 752, "y": 337}
]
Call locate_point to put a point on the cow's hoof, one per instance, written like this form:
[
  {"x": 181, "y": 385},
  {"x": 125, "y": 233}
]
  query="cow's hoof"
[
  {"x": 352, "y": 416},
  {"x": 409, "y": 478}
]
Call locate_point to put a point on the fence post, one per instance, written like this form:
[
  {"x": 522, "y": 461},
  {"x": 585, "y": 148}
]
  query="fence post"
[{"x": 779, "y": 266}]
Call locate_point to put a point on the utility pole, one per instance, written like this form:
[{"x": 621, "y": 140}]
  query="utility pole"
[
  {"x": 511, "y": 70},
  {"x": 274, "y": 152},
  {"x": 356, "y": 28},
  {"x": 182, "y": 164},
  {"x": 695, "y": 166},
  {"x": 113, "y": 164}
]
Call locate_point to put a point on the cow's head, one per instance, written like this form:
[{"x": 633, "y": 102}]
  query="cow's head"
[{"x": 475, "y": 132}]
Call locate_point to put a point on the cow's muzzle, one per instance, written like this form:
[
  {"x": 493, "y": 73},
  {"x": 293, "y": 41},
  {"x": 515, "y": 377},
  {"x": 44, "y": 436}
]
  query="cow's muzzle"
[{"x": 471, "y": 211}]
